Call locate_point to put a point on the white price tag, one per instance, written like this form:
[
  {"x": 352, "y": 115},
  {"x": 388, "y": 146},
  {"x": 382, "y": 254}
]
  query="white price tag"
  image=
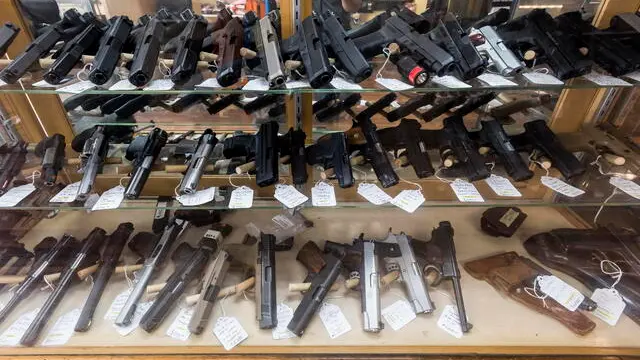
[
  {"x": 502, "y": 186},
  {"x": 211, "y": 83},
  {"x": 450, "y": 81},
  {"x": 198, "y": 198},
  {"x": 449, "y": 321},
  {"x": 605, "y": 80},
  {"x": 2, "y": 83},
  {"x": 122, "y": 85},
  {"x": 68, "y": 194},
  {"x": 241, "y": 198},
  {"x": 63, "y": 329},
  {"x": 77, "y": 88},
  {"x": 110, "y": 199},
  {"x": 344, "y": 84},
  {"x": 289, "y": 196},
  {"x": 633, "y": 76},
  {"x": 297, "y": 84},
  {"x": 395, "y": 104},
  {"x": 610, "y": 305},
  {"x": 408, "y": 200},
  {"x": 135, "y": 321},
  {"x": 323, "y": 194},
  {"x": 394, "y": 84},
  {"x": 629, "y": 187},
  {"x": 15, "y": 331},
  {"x": 466, "y": 191},
  {"x": 542, "y": 78},
  {"x": 495, "y": 80},
  {"x": 159, "y": 85},
  {"x": 373, "y": 194},
  {"x": 179, "y": 328},
  {"x": 44, "y": 84},
  {"x": 398, "y": 314},
  {"x": 258, "y": 84},
  {"x": 284, "y": 315},
  {"x": 334, "y": 320},
  {"x": 13, "y": 197},
  {"x": 560, "y": 186},
  {"x": 229, "y": 332},
  {"x": 560, "y": 291},
  {"x": 116, "y": 306},
  {"x": 363, "y": 102}
]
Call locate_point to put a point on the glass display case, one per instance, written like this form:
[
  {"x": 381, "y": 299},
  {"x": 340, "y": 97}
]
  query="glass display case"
[{"x": 392, "y": 160}]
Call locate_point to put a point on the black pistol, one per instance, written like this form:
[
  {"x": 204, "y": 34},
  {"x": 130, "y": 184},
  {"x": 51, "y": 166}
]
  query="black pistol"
[{"x": 142, "y": 152}]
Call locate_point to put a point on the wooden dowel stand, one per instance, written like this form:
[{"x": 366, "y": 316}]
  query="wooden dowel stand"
[{"x": 227, "y": 291}]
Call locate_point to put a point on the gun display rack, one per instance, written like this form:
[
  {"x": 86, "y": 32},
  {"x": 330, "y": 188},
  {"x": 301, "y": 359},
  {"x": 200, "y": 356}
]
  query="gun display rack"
[{"x": 574, "y": 111}]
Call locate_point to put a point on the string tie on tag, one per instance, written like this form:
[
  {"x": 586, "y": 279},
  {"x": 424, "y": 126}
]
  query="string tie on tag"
[
  {"x": 538, "y": 163},
  {"x": 164, "y": 69},
  {"x": 364, "y": 180},
  {"x": 533, "y": 292},
  {"x": 49, "y": 284},
  {"x": 83, "y": 74},
  {"x": 340, "y": 72},
  {"x": 595, "y": 217},
  {"x": 440, "y": 178},
  {"x": 33, "y": 176},
  {"x": 412, "y": 183},
  {"x": 121, "y": 179},
  {"x": 616, "y": 274},
  {"x": 387, "y": 52},
  {"x": 126, "y": 276}
]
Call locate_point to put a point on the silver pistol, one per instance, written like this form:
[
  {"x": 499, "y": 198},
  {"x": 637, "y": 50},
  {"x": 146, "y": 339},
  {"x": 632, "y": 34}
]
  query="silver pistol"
[{"x": 503, "y": 59}]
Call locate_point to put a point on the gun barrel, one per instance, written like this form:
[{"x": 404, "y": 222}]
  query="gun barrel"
[
  {"x": 370, "y": 288},
  {"x": 266, "y": 276},
  {"x": 411, "y": 274},
  {"x": 198, "y": 163}
]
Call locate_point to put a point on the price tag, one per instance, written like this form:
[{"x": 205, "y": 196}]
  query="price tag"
[
  {"x": 179, "y": 328},
  {"x": 289, "y": 196},
  {"x": 560, "y": 186},
  {"x": 334, "y": 320},
  {"x": 408, "y": 200},
  {"x": 211, "y": 83},
  {"x": 323, "y": 194},
  {"x": 398, "y": 314},
  {"x": 393, "y": 84},
  {"x": 241, "y": 198},
  {"x": 450, "y": 81},
  {"x": 122, "y": 85},
  {"x": 610, "y": 305},
  {"x": 633, "y": 76},
  {"x": 229, "y": 332},
  {"x": 2, "y": 83},
  {"x": 629, "y": 187},
  {"x": 135, "y": 321},
  {"x": 15, "y": 331},
  {"x": 198, "y": 198},
  {"x": 466, "y": 191},
  {"x": 560, "y": 291},
  {"x": 77, "y": 88},
  {"x": 44, "y": 84},
  {"x": 542, "y": 78},
  {"x": 116, "y": 306},
  {"x": 502, "y": 186},
  {"x": 258, "y": 84},
  {"x": 344, "y": 84},
  {"x": 68, "y": 194},
  {"x": 450, "y": 322},
  {"x": 394, "y": 104},
  {"x": 605, "y": 80},
  {"x": 495, "y": 80},
  {"x": 63, "y": 329},
  {"x": 284, "y": 315},
  {"x": 12, "y": 197},
  {"x": 297, "y": 84},
  {"x": 159, "y": 85},
  {"x": 363, "y": 102},
  {"x": 110, "y": 199},
  {"x": 373, "y": 194}
]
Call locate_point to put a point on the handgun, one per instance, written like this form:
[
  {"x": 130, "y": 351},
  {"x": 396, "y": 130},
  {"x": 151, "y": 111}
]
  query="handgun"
[
  {"x": 306, "y": 45},
  {"x": 442, "y": 107},
  {"x": 267, "y": 159},
  {"x": 268, "y": 48},
  {"x": 142, "y": 152},
  {"x": 407, "y": 136},
  {"x": 538, "y": 136},
  {"x": 190, "y": 263},
  {"x": 291, "y": 145},
  {"x": 146, "y": 55},
  {"x": 410, "y": 107},
  {"x": 92, "y": 154},
  {"x": 51, "y": 151},
  {"x": 229, "y": 59},
  {"x": 51, "y": 256},
  {"x": 11, "y": 163},
  {"x": 502, "y": 58},
  {"x": 72, "y": 23},
  {"x": 72, "y": 51},
  {"x": 198, "y": 162},
  {"x": 536, "y": 37},
  {"x": 266, "y": 306},
  {"x": 111, "y": 46},
  {"x": 190, "y": 44},
  {"x": 342, "y": 48},
  {"x": 450, "y": 36},
  {"x": 156, "y": 258},
  {"x": 439, "y": 255},
  {"x": 108, "y": 262},
  {"x": 323, "y": 270},
  {"x": 333, "y": 153},
  {"x": 329, "y": 106},
  {"x": 493, "y": 135},
  {"x": 8, "y": 33},
  {"x": 161, "y": 215},
  {"x": 458, "y": 150},
  {"x": 87, "y": 256},
  {"x": 213, "y": 279}
]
